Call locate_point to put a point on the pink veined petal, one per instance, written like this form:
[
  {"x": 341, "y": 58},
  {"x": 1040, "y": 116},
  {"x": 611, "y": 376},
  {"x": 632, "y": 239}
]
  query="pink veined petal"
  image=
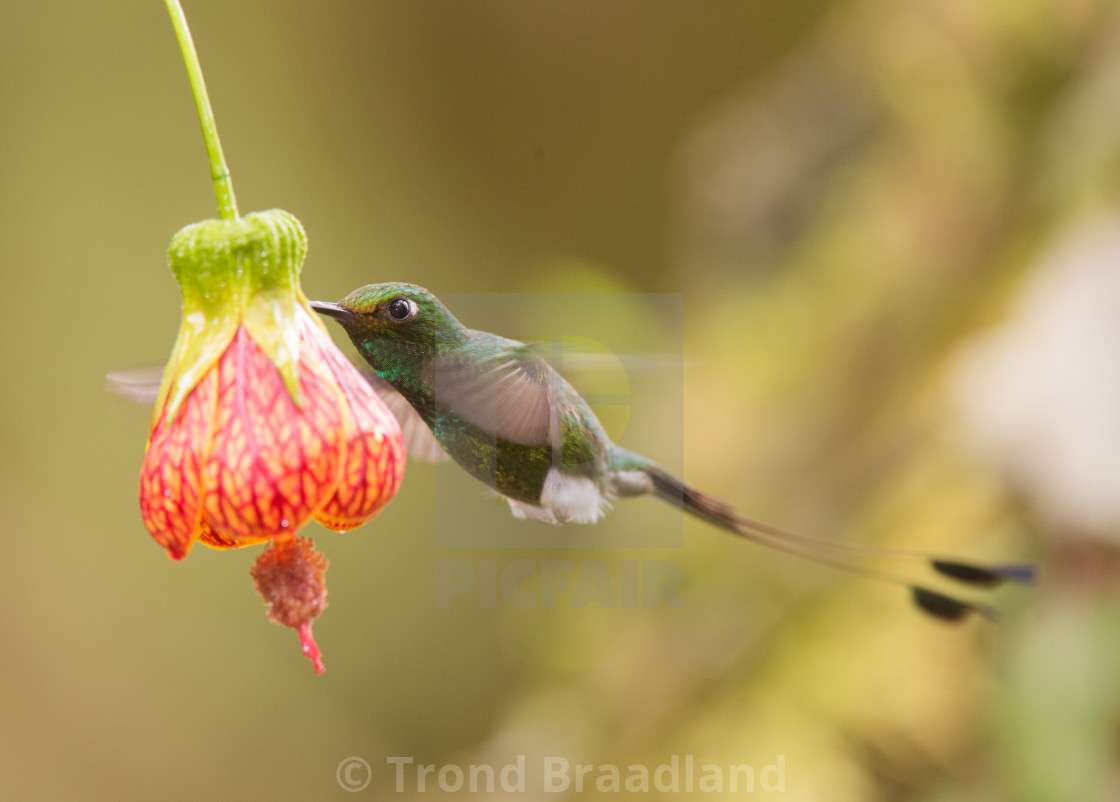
[
  {"x": 272, "y": 463},
  {"x": 171, "y": 478},
  {"x": 374, "y": 457}
]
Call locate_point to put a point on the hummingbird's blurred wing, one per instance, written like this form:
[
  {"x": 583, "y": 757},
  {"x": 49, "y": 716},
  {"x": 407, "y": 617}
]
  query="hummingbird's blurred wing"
[
  {"x": 142, "y": 386},
  {"x": 419, "y": 442},
  {"x": 509, "y": 390},
  {"x": 136, "y": 384}
]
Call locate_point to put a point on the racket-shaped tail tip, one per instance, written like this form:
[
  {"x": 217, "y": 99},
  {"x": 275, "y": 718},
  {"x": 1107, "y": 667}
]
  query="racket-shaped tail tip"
[
  {"x": 947, "y": 608},
  {"x": 987, "y": 576}
]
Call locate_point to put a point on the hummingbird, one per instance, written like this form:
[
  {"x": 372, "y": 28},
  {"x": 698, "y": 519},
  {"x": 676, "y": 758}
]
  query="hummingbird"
[{"x": 504, "y": 414}]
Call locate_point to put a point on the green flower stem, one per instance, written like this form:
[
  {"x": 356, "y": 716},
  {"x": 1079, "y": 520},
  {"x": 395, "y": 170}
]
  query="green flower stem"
[{"x": 219, "y": 172}]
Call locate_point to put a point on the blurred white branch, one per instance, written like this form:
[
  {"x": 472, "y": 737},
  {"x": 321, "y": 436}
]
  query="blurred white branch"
[{"x": 1042, "y": 391}]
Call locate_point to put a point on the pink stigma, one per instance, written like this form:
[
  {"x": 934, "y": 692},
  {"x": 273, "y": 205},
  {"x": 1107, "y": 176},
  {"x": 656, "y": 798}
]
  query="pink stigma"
[{"x": 310, "y": 650}]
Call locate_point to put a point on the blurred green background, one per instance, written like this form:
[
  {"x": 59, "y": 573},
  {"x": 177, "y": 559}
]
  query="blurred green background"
[{"x": 842, "y": 197}]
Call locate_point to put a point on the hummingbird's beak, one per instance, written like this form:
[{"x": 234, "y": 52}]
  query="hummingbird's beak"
[{"x": 331, "y": 310}]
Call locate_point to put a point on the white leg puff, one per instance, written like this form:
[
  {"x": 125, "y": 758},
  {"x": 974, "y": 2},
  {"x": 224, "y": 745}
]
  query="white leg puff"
[{"x": 564, "y": 499}]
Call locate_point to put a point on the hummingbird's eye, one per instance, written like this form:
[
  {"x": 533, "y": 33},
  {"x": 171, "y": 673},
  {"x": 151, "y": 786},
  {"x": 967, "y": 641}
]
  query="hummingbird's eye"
[{"x": 401, "y": 309}]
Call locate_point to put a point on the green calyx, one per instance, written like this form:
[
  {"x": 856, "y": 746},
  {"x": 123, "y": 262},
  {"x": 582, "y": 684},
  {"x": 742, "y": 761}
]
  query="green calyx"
[{"x": 242, "y": 271}]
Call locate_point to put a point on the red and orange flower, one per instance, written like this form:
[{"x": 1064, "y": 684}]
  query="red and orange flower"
[{"x": 261, "y": 423}]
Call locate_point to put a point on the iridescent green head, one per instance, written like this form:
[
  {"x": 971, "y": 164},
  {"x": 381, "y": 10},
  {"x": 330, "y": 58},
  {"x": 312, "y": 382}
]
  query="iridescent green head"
[{"x": 395, "y": 314}]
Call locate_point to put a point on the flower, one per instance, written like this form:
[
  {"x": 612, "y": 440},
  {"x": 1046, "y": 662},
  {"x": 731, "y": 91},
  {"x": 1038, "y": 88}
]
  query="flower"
[{"x": 261, "y": 422}]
